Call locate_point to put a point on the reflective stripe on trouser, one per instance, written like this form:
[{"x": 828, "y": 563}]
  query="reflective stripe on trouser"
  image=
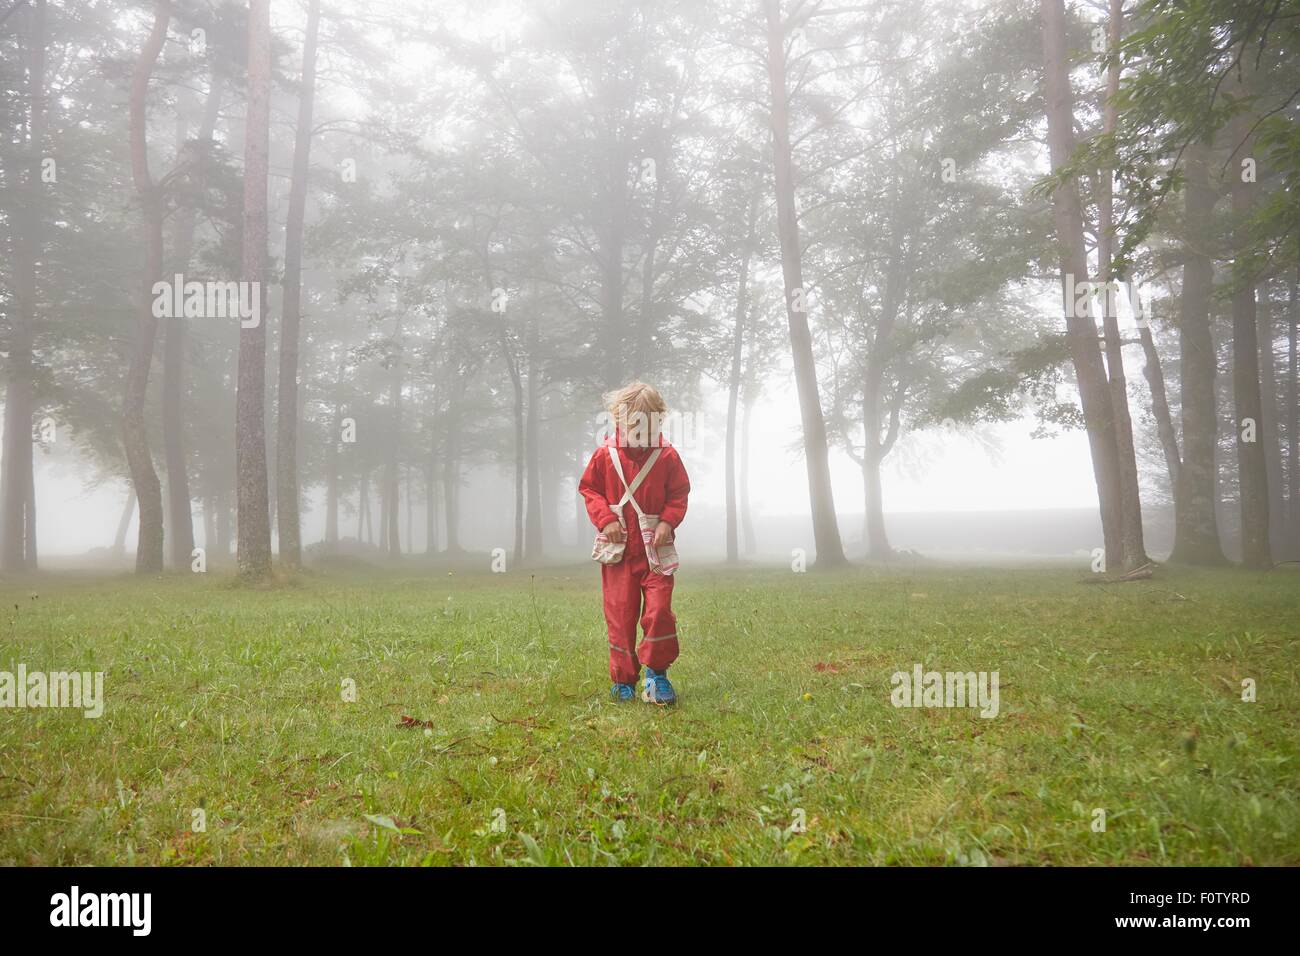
[{"x": 632, "y": 593}]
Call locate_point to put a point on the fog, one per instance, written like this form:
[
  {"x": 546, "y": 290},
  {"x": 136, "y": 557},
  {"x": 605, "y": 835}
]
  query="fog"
[
  {"x": 455, "y": 227},
  {"x": 1003, "y": 472}
]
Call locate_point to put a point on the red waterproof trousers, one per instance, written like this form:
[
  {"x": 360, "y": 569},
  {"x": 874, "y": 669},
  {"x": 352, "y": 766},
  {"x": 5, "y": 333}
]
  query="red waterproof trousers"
[{"x": 634, "y": 593}]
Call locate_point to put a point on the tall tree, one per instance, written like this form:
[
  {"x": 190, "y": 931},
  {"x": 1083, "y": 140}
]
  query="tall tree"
[
  {"x": 148, "y": 490},
  {"x": 190, "y": 157},
  {"x": 17, "y": 517},
  {"x": 1196, "y": 535},
  {"x": 123, "y": 523},
  {"x": 286, "y": 456},
  {"x": 1132, "y": 544},
  {"x": 1081, "y": 331},
  {"x": 1270, "y": 433},
  {"x": 1292, "y": 551},
  {"x": 390, "y": 519},
  {"x": 734, "y": 380},
  {"x": 826, "y": 531},
  {"x": 532, "y": 437},
  {"x": 253, "y": 545},
  {"x": 1220, "y": 67},
  {"x": 1251, "y": 463}
]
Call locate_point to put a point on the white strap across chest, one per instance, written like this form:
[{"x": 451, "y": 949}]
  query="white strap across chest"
[{"x": 636, "y": 482}]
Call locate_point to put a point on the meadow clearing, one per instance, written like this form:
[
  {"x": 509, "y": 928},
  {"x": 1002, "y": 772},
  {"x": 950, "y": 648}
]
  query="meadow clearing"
[{"x": 275, "y": 719}]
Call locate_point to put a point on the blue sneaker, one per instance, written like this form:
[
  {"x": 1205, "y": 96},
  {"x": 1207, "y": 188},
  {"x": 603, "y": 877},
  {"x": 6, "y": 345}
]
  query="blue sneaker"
[
  {"x": 622, "y": 691},
  {"x": 657, "y": 688}
]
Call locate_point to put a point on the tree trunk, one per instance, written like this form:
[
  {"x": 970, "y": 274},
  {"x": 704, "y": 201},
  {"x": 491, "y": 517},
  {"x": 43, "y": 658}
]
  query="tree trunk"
[
  {"x": 581, "y": 522},
  {"x": 1196, "y": 537},
  {"x": 1251, "y": 466},
  {"x": 431, "y": 487},
  {"x": 410, "y": 514},
  {"x": 517, "y": 386},
  {"x": 1165, "y": 431},
  {"x": 391, "y": 538},
  {"x": 384, "y": 504},
  {"x": 209, "y": 522},
  {"x": 733, "y": 385},
  {"x": 332, "y": 480},
  {"x": 253, "y": 543},
  {"x": 1293, "y": 425},
  {"x": 1132, "y": 543},
  {"x": 135, "y": 437},
  {"x": 180, "y": 519},
  {"x": 363, "y": 505},
  {"x": 873, "y": 516},
  {"x": 1269, "y": 427},
  {"x": 613, "y": 328},
  {"x": 874, "y": 536},
  {"x": 876, "y": 446},
  {"x": 17, "y": 524},
  {"x": 532, "y": 443},
  {"x": 746, "y": 513},
  {"x": 180, "y": 516},
  {"x": 30, "y": 553},
  {"x": 430, "y": 510},
  {"x": 1081, "y": 331},
  {"x": 124, "y": 524},
  {"x": 288, "y": 518},
  {"x": 451, "y": 475},
  {"x": 552, "y": 476},
  {"x": 826, "y": 532},
  {"x": 646, "y": 317},
  {"x": 877, "y": 541},
  {"x": 223, "y": 524},
  {"x": 450, "y": 507}
]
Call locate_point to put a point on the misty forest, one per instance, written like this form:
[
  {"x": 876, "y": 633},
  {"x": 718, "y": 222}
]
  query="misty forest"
[{"x": 308, "y": 309}]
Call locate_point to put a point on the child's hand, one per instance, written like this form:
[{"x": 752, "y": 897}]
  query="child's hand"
[
  {"x": 613, "y": 531},
  {"x": 663, "y": 534}
]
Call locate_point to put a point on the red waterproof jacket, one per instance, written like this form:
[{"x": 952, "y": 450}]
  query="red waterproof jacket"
[{"x": 663, "y": 492}]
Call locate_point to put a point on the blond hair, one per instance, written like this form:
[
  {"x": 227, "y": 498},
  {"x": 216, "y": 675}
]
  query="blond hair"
[{"x": 640, "y": 403}]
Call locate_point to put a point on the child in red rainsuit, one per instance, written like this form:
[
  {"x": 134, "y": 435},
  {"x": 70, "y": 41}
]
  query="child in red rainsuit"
[{"x": 640, "y": 585}]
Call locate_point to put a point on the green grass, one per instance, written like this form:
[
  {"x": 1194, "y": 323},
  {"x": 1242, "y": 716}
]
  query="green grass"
[{"x": 1125, "y": 697}]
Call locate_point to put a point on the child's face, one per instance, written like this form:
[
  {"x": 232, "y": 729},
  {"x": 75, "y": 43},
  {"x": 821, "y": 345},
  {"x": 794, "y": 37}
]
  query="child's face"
[{"x": 639, "y": 429}]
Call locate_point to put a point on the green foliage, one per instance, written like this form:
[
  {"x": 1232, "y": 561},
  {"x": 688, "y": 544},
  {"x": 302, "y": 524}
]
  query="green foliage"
[
  {"x": 1184, "y": 65},
  {"x": 1028, "y": 376}
]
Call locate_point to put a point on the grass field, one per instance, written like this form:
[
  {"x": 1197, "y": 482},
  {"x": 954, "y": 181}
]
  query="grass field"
[{"x": 1125, "y": 698}]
